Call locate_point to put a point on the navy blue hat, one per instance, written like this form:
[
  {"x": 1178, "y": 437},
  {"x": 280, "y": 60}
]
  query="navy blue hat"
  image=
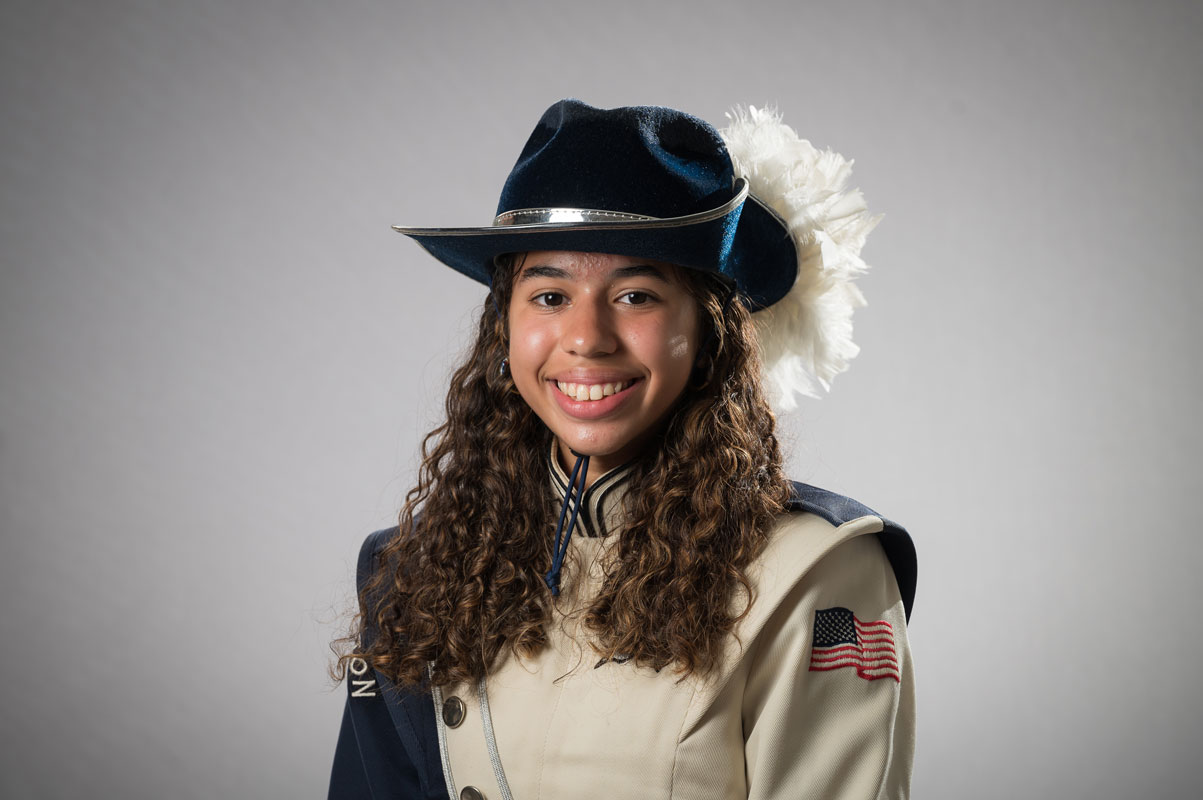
[{"x": 638, "y": 181}]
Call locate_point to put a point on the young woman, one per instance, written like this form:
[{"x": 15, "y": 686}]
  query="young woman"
[{"x": 603, "y": 585}]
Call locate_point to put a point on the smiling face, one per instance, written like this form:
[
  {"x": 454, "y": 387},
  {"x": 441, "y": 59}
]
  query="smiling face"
[{"x": 600, "y": 347}]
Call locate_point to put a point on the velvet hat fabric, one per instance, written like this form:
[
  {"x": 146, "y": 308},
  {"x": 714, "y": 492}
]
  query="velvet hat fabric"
[{"x": 638, "y": 181}]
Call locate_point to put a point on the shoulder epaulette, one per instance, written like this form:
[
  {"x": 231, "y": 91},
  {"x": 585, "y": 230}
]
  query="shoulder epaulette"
[{"x": 837, "y": 509}]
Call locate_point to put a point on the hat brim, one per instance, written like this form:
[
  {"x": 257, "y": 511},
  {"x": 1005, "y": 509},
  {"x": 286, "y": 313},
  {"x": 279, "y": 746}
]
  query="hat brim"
[{"x": 734, "y": 241}]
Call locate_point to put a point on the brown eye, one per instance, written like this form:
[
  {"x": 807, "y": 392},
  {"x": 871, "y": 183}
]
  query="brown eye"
[
  {"x": 636, "y": 298},
  {"x": 549, "y": 299}
]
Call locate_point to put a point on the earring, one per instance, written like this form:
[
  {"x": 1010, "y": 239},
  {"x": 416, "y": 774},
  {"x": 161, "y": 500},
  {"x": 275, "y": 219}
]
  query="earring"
[{"x": 505, "y": 367}]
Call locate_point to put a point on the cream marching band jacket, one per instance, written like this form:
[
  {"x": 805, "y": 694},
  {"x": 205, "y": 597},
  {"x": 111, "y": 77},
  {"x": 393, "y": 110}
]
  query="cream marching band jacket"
[{"x": 813, "y": 697}]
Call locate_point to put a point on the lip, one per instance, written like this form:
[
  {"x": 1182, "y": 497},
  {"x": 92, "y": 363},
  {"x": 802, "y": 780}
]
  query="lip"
[{"x": 591, "y": 409}]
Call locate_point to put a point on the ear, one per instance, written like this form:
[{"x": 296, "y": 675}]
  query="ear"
[{"x": 703, "y": 371}]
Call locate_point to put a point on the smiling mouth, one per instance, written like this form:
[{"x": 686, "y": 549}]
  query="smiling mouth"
[{"x": 586, "y": 392}]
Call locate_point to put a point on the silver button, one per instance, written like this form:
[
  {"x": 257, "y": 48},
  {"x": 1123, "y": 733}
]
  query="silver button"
[
  {"x": 453, "y": 714},
  {"x": 471, "y": 793}
]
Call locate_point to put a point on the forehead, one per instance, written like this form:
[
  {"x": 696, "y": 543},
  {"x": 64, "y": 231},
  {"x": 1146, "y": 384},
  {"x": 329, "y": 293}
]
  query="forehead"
[{"x": 588, "y": 266}]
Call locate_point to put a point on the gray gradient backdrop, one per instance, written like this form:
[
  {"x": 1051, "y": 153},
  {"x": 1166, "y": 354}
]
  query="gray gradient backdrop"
[{"x": 217, "y": 360}]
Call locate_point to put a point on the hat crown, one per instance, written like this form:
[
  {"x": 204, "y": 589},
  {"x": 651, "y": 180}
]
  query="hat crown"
[{"x": 646, "y": 160}]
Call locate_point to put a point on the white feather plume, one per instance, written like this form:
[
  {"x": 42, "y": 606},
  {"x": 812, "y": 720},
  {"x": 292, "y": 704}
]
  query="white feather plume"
[{"x": 806, "y": 337}]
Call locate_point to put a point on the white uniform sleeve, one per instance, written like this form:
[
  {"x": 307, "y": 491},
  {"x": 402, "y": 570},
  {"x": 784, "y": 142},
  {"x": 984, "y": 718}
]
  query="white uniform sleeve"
[{"x": 833, "y": 717}]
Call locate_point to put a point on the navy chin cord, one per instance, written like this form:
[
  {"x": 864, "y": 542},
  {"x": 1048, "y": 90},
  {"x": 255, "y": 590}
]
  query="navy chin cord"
[{"x": 552, "y": 578}]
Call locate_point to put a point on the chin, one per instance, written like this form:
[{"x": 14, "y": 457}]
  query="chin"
[
  {"x": 602, "y": 446},
  {"x": 590, "y": 446}
]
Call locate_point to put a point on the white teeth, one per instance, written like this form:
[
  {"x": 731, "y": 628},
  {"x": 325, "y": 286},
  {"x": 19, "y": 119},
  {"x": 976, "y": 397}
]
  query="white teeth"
[{"x": 582, "y": 392}]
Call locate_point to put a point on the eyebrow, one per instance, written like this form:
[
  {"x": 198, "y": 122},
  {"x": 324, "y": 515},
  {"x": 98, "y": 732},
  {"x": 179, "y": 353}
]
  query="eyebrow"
[
  {"x": 530, "y": 273},
  {"x": 632, "y": 271}
]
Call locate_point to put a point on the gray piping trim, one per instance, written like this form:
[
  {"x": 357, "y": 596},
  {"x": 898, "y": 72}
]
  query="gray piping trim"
[
  {"x": 436, "y": 694},
  {"x": 482, "y": 693},
  {"x": 594, "y": 222}
]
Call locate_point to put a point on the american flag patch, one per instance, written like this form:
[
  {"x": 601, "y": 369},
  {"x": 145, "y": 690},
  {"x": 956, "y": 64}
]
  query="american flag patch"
[{"x": 842, "y": 640}]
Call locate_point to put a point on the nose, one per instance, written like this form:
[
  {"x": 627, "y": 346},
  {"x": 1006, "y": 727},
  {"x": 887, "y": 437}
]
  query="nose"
[{"x": 588, "y": 329}]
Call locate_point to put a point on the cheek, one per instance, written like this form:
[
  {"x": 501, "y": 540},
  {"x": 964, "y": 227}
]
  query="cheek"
[
  {"x": 671, "y": 349},
  {"x": 530, "y": 342},
  {"x": 679, "y": 347},
  {"x": 529, "y": 347},
  {"x": 683, "y": 337},
  {"x": 677, "y": 361}
]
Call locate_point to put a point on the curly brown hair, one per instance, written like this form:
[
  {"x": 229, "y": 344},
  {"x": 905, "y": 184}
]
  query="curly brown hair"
[{"x": 464, "y": 578}]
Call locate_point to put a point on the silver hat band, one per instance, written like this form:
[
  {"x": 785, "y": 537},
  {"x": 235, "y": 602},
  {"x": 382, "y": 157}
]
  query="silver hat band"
[
  {"x": 567, "y": 219},
  {"x": 539, "y": 216}
]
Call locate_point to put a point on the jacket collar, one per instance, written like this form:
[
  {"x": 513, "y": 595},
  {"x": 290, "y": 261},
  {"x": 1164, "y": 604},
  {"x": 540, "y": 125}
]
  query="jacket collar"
[{"x": 603, "y": 508}]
